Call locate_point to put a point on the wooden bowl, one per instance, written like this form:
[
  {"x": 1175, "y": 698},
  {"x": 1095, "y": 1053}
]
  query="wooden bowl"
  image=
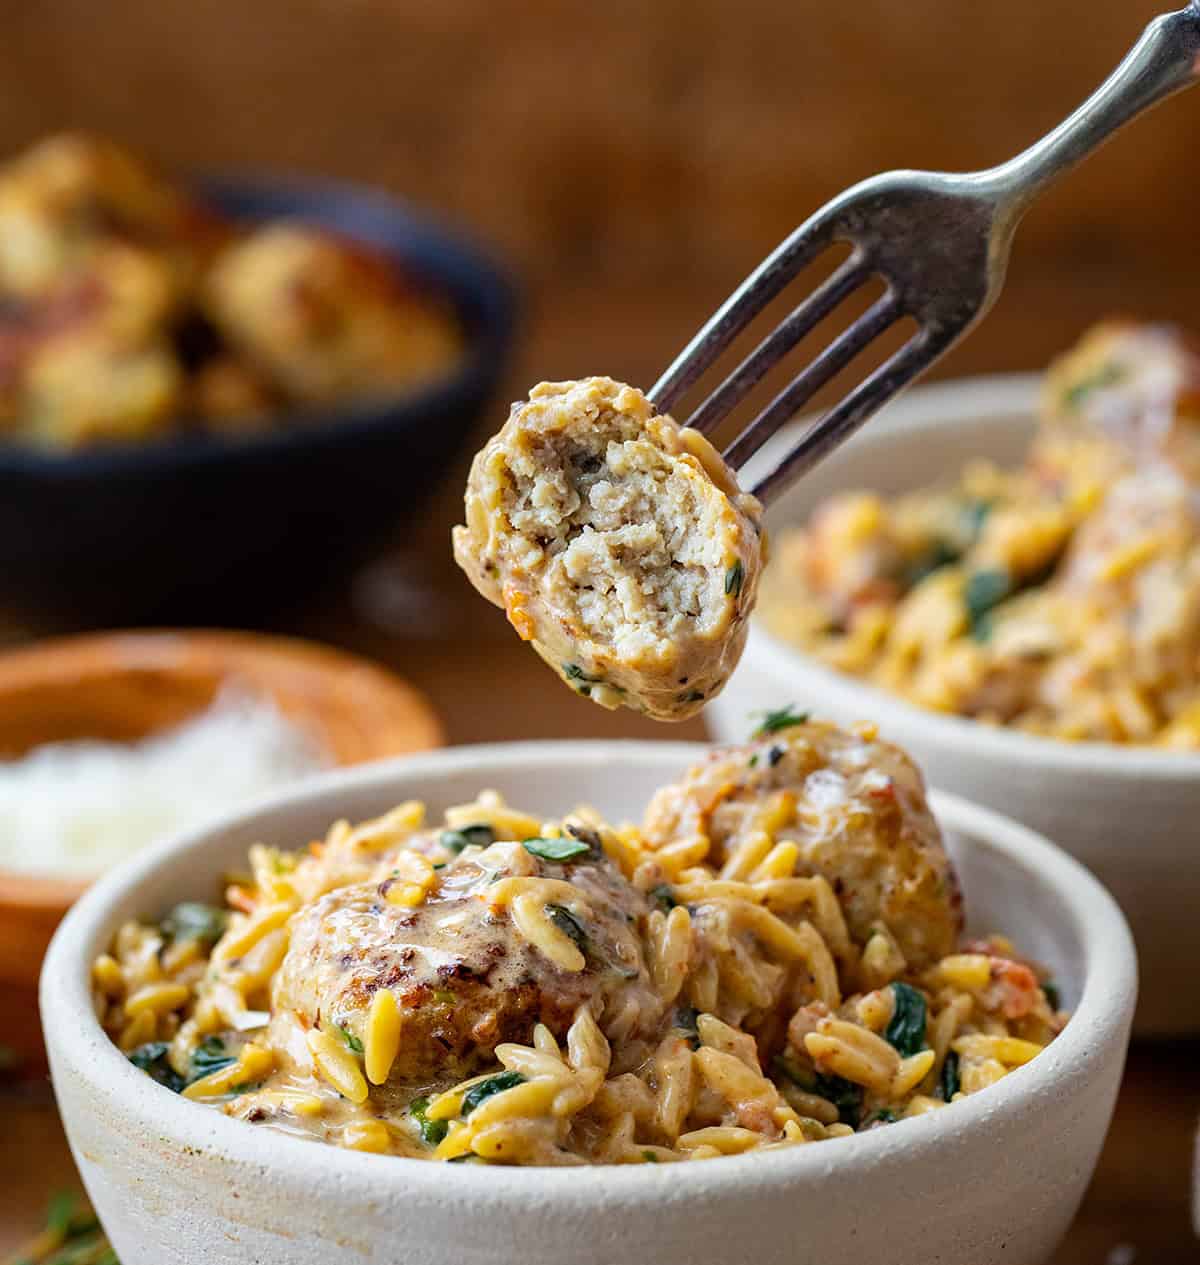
[{"x": 125, "y": 686}]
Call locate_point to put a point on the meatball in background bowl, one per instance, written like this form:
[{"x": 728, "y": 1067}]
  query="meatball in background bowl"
[
  {"x": 175, "y": 1181},
  {"x": 204, "y": 525},
  {"x": 1127, "y": 812}
]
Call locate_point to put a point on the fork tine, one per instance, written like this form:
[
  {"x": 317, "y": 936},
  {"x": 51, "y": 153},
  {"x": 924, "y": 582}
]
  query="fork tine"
[
  {"x": 845, "y": 417},
  {"x": 852, "y": 273},
  {"x": 742, "y": 306},
  {"x": 832, "y": 359}
]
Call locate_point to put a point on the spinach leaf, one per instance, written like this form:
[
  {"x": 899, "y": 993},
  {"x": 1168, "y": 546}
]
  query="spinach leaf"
[
  {"x": 984, "y": 591},
  {"x": 557, "y": 849},
  {"x": 208, "y": 1057},
  {"x": 456, "y": 840},
  {"x": 845, "y": 1095},
  {"x": 194, "y": 921},
  {"x": 949, "y": 1082},
  {"x": 784, "y": 718},
  {"x": 489, "y": 1088},
  {"x": 906, "y": 1030},
  {"x": 152, "y": 1059},
  {"x": 432, "y": 1131},
  {"x": 939, "y": 554},
  {"x": 569, "y": 925}
]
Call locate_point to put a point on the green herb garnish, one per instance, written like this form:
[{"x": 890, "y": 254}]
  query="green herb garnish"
[
  {"x": 432, "y": 1131},
  {"x": 949, "y": 1082},
  {"x": 974, "y": 515},
  {"x": 686, "y": 1021},
  {"x": 465, "y": 836},
  {"x": 557, "y": 849},
  {"x": 650, "y": 1157},
  {"x": 446, "y": 996},
  {"x": 906, "y": 1030},
  {"x": 1053, "y": 996},
  {"x": 72, "y": 1236},
  {"x": 663, "y": 897},
  {"x": 194, "y": 921},
  {"x": 208, "y": 1057},
  {"x": 152, "y": 1059},
  {"x": 353, "y": 1044},
  {"x": 573, "y": 672},
  {"x": 784, "y": 718},
  {"x": 569, "y": 925},
  {"x": 884, "y": 1116},
  {"x": 60, "y": 1212},
  {"x": 1106, "y": 376},
  {"x": 733, "y": 579},
  {"x": 489, "y": 1089},
  {"x": 984, "y": 591}
]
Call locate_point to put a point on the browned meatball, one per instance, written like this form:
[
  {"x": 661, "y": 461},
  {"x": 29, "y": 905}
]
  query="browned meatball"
[
  {"x": 324, "y": 318},
  {"x": 856, "y": 809},
  {"x": 465, "y": 974}
]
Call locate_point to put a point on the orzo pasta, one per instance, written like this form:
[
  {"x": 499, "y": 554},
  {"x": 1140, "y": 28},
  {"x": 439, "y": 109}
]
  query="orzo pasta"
[
  {"x": 1063, "y": 597},
  {"x": 774, "y": 958}
]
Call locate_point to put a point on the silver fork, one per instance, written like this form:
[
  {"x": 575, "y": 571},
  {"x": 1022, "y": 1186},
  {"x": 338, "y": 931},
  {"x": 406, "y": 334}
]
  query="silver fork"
[{"x": 940, "y": 243}]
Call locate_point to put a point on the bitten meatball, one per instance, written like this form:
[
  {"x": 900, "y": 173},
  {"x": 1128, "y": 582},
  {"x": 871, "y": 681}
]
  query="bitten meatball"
[
  {"x": 856, "y": 809},
  {"x": 470, "y": 966},
  {"x": 617, "y": 543}
]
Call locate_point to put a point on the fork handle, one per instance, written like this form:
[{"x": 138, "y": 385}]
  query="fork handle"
[{"x": 1164, "y": 61}]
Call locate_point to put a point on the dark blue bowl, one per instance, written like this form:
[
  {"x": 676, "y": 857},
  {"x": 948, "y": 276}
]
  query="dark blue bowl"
[{"x": 206, "y": 528}]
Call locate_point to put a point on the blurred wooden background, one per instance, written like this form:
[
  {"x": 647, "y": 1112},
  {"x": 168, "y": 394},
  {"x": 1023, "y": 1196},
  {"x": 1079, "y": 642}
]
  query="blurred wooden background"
[
  {"x": 631, "y": 161},
  {"x": 634, "y": 159}
]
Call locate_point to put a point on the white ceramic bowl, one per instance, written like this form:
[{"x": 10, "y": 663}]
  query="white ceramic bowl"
[
  {"x": 996, "y": 1178},
  {"x": 1131, "y": 814}
]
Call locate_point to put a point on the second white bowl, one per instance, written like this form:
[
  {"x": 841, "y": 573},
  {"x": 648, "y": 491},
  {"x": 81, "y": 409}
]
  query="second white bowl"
[
  {"x": 992, "y": 1180},
  {"x": 1131, "y": 814}
]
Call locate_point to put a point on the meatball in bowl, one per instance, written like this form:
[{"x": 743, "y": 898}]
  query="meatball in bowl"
[{"x": 778, "y": 968}]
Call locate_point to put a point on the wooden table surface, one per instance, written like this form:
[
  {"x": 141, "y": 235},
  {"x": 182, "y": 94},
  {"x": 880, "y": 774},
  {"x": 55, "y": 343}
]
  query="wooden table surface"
[{"x": 488, "y": 687}]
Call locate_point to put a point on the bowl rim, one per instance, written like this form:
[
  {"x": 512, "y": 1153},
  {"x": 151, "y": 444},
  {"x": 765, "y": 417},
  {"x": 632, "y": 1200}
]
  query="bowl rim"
[
  {"x": 453, "y": 266},
  {"x": 43, "y": 663},
  {"x": 971, "y": 401},
  {"x": 1096, "y": 1032}
]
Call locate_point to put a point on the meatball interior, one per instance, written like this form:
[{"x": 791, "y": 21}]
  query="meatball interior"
[{"x": 617, "y": 543}]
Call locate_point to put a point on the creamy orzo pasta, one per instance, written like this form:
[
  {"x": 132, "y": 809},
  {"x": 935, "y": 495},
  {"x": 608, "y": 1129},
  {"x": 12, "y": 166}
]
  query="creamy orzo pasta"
[
  {"x": 775, "y": 957},
  {"x": 1061, "y": 597}
]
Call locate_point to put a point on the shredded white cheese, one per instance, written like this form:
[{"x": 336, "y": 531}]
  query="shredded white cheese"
[{"x": 72, "y": 809}]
